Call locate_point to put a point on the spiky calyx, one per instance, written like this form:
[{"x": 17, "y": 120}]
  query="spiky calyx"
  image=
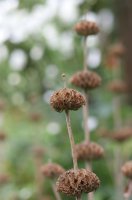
[
  {"x": 86, "y": 28},
  {"x": 75, "y": 182},
  {"x": 89, "y": 151},
  {"x": 86, "y": 80},
  {"x": 66, "y": 99},
  {"x": 52, "y": 170}
]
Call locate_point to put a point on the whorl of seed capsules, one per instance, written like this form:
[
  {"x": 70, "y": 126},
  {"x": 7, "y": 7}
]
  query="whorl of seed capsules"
[
  {"x": 86, "y": 28},
  {"x": 117, "y": 50},
  {"x": 75, "y": 182},
  {"x": 117, "y": 86},
  {"x": 127, "y": 169},
  {"x": 66, "y": 99},
  {"x": 86, "y": 79},
  {"x": 52, "y": 170},
  {"x": 89, "y": 151},
  {"x": 122, "y": 134}
]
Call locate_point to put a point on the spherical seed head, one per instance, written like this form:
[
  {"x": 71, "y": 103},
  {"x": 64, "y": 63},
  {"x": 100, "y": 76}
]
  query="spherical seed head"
[
  {"x": 52, "y": 170},
  {"x": 86, "y": 79},
  {"x": 89, "y": 151},
  {"x": 127, "y": 169},
  {"x": 122, "y": 134},
  {"x": 117, "y": 86},
  {"x": 67, "y": 99},
  {"x": 75, "y": 182},
  {"x": 86, "y": 28}
]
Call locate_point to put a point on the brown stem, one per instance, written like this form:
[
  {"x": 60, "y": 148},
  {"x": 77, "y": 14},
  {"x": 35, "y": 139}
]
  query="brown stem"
[
  {"x": 85, "y": 118},
  {"x": 90, "y": 196},
  {"x": 78, "y": 198},
  {"x": 85, "y": 53},
  {"x": 71, "y": 138},
  {"x": 57, "y": 195}
]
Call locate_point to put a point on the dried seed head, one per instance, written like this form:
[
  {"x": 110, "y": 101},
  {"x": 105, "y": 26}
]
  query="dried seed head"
[
  {"x": 117, "y": 86},
  {"x": 4, "y": 178},
  {"x": 89, "y": 151},
  {"x": 117, "y": 50},
  {"x": 127, "y": 169},
  {"x": 2, "y": 136},
  {"x": 122, "y": 134},
  {"x": 38, "y": 151},
  {"x": 75, "y": 182},
  {"x": 66, "y": 99},
  {"x": 86, "y": 28},
  {"x": 35, "y": 117},
  {"x": 52, "y": 170},
  {"x": 86, "y": 79}
]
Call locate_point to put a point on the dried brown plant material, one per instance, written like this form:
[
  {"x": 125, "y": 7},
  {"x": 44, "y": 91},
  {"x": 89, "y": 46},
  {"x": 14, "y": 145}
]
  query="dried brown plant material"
[
  {"x": 122, "y": 134},
  {"x": 52, "y": 170},
  {"x": 89, "y": 151},
  {"x": 2, "y": 135},
  {"x": 86, "y": 28},
  {"x": 75, "y": 182},
  {"x": 2, "y": 105},
  {"x": 4, "y": 178},
  {"x": 117, "y": 50},
  {"x": 35, "y": 117},
  {"x": 38, "y": 151},
  {"x": 117, "y": 86},
  {"x": 127, "y": 169},
  {"x": 86, "y": 79},
  {"x": 66, "y": 99}
]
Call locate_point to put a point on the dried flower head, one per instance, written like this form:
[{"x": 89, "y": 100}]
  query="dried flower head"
[
  {"x": 86, "y": 79},
  {"x": 38, "y": 151},
  {"x": 89, "y": 151},
  {"x": 52, "y": 170},
  {"x": 117, "y": 86},
  {"x": 117, "y": 50},
  {"x": 75, "y": 182},
  {"x": 127, "y": 169},
  {"x": 66, "y": 99},
  {"x": 2, "y": 136},
  {"x": 4, "y": 178},
  {"x": 86, "y": 28},
  {"x": 122, "y": 134}
]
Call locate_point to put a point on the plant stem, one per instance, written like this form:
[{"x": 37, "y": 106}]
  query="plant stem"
[
  {"x": 71, "y": 138},
  {"x": 57, "y": 195},
  {"x": 78, "y": 198},
  {"x": 85, "y": 118},
  {"x": 85, "y": 53}
]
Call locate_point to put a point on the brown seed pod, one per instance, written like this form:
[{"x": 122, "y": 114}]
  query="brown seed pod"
[
  {"x": 86, "y": 79},
  {"x": 117, "y": 86},
  {"x": 66, "y": 99},
  {"x": 75, "y": 182},
  {"x": 122, "y": 134},
  {"x": 89, "y": 151},
  {"x": 52, "y": 170},
  {"x": 127, "y": 169},
  {"x": 86, "y": 28}
]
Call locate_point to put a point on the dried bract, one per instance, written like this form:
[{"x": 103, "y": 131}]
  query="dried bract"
[
  {"x": 86, "y": 79},
  {"x": 75, "y": 182},
  {"x": 89, "y": 151},
  {"x": 52, "y": 170},
  {"x": 67, "y": 99},
  {"x": 86, "y": 28},
  {"x": 127, "y": 169}
]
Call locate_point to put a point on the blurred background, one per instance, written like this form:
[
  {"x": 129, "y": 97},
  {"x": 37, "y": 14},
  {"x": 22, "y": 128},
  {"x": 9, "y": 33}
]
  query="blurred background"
[{"x": 37, "y": 45}]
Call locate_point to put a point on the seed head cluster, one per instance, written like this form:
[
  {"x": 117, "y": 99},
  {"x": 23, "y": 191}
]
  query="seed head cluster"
[
  {"x": 89, "y": 151},
  {"x": 52, "y": 170},
  {"x": 86, "y": 28},
  {"x": 75, "y": 182},
  {"x": 86, "y": 79},
  {"x": 127, "y": 169},
  {"x": 67, "y": 99},
  {"x": 117, "y": 86}
]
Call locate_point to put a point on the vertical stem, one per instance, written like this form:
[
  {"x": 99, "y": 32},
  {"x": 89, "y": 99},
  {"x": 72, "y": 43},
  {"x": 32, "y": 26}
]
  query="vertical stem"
[
  {"x": 78, "y": 198},
  {"x": 116, "y": 112},
  {"x": 85, "y": 53},
  {"x": 71, "y": 138},
  {"x": 57, "y": 195},
  {"x": 85, "y": 118}
]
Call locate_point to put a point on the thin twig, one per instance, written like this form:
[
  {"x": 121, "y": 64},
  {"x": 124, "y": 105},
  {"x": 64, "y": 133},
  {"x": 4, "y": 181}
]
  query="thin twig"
[
  {"x": 85, "y": 118},
  {"x": 57, "y": 195},
  {"x": 71, "y": 138},
  {"x": 85, "y": 53}
]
